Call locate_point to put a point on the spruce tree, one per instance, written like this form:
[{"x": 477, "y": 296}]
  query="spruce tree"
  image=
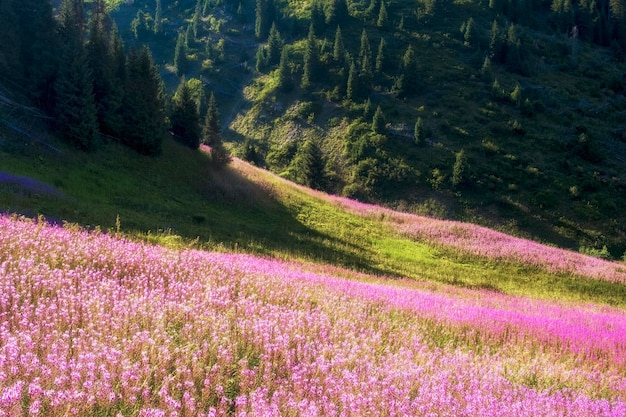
[
  {"x": 380, "y": 56},
  {"x": 144, "y": 104},
  {"x": 184, "y": 118},
  {"x": 318, "y": 19},
  {"x": 264, "y": 18},
  {"x": 378, "y": 121},
  {"x": 418, "y": 132},
  {"x": 352, "y": 89},
  {"x": 180, "y": 55},
  {"x": 382, "y": 15},
  {"x": 459, "y": 169},
  {"x": 307, "y": 167},
  {"x": 107, "y": 86},
  {"x": 285, "y": 83},
  {"x": 336, "y": 12},
  {"x": 158, "y": 18},
  {"x": 76, "y": 114},
  {"x": 211, "y": 130},
  {"x": 196, "y": 19},
  {"x": 274, "y": 46},
  {"x": 311, "y": 61},
  {"x": 365, "y": 51},
  {"x": 339, "y": 51},
  {"x": 407, "y": 83},
  {"x": 39, "y": 50}
]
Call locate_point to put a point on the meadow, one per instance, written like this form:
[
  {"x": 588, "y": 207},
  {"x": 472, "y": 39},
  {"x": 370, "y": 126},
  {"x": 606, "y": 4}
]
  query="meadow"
[{"x": 93, "y": 324}]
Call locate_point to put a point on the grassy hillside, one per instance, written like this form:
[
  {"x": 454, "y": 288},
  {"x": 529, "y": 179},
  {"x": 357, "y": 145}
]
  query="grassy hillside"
[
  {"x": 177, "y": 200},
  {"x": 542, "y": 133}
]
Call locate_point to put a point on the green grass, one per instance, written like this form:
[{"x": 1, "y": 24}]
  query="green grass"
[{"x": 178, "y": 200}]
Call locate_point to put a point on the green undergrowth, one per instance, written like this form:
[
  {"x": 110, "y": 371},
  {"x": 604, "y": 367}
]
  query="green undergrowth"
[{"x": 179, "y": 200}]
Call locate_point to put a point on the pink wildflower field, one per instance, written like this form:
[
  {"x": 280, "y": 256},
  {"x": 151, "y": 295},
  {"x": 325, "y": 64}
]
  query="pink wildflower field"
[
  {"x": 95, "y": 325},
  {"x": 490, "y": 244}
]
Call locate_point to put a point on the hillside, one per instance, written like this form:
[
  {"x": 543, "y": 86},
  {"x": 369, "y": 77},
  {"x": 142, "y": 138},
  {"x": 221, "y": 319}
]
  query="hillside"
[
  {"x": 530, "y": 112},
  {"x": 95, "y": 325}
]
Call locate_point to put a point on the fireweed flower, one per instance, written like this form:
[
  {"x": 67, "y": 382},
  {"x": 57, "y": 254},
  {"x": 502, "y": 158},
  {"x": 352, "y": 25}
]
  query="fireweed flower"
[{"x": 91, "y": 324}]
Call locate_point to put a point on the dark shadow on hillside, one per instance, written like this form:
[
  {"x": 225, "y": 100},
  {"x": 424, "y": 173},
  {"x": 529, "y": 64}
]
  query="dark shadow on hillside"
[{"x": 253, "y": 220}]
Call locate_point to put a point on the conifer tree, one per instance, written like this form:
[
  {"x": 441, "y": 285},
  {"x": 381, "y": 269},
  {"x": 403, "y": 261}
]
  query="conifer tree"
[
  {"x": 380, "y": 56},
  {"x": 158, "y": 18},
  {"x": 144, "y": 104},
  {"x": 336, "y": 12},
  {"x": 378, "y": 121},
  {"x": 264, "y": 18},
  {"x": 261, "y": 59},
  {"x": 180, "y": 55},
  {"x": 307, "y": 167},
  {"x": 274, "y": 46},
  {"x": 407, "y": 83},
  {"x": 318, "y": 19},
  {"x": 382, "y": 15},
  {"x": 211, "y": 130},
  {"x": 38, "y": 51},
  {"x": 311, "y": 61},
  {"x": 76, "y": 115},
  {"x": 184, "y": 118},
  {"x": 365, "y": 51},
  {"x": 195, "y": 21},
  {"x": 339, "y": 51},
  {"x": 285, "y": 83},
  {"x": 352, "y": 89},
  {"x": 459, "y": 169},
  {"x": 107, "y": 86}
]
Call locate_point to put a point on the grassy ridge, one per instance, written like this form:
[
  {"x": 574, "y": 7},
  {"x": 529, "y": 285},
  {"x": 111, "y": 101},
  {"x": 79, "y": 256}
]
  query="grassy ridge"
[{"x": 177, "y": 199}]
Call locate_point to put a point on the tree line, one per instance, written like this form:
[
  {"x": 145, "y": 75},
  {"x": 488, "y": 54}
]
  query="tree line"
[{"x": 77, "y": 70}]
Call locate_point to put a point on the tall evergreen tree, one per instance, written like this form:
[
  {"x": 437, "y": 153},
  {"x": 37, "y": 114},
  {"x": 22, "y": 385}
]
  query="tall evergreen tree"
[
  {"x": 381, "y": 56},
  {"x": 107, "y": 85},
  {"x": 264, "y": 18},
  {"x": 382, "y": 15},
  {"x": 459, "y": 169},
  {"x": 76, "y": 114},
  {"x": 185, "y": 124},
  {"x": 336, "y": 12},
  {"x": 378, "y": 121},
  {"x": 339, "y": 51},
  {"x": 39, "y": 50},
  {"x": 407, "y": 84},
  {"x": 211, "y": 130},
  {"x": 274, "y": 46},
  {"x": 180, "y": 55},
  {"x": 196, "y": 19},
  {"x": 311, "y": 61},
  {"x": 318, "y": 20},
  {"x": 285, "y": 83},
  {"x": 144, "y": 104},
  {"x": 308, "y": 165},
  {"x": 158, "y": 18},
  {"x": 353, "y": 92},
  {"x": 365, "y": 51}
]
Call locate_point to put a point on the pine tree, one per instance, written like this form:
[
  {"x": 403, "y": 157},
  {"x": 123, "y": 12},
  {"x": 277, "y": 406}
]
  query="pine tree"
[
  {"x": 158, "y": 18},
  {"x": 107, "y": 86},
  {"x": 39, "y": 50},
  {"x": 318, "y": 19},
  {"x": 180, "y": 55},
  {"x": 380, "y": 56},
  {"x": 459, "y": 169},
  {"x": 144, "y": 104},
  {"x": 184, "y": 118},
  {"x": 339, "y": 51},
  {"x": 264, "y": 18},
  {"x": 336, "y": 12},
  {"x": 311, "y": 61},
  {"x": 407, "y": 83},
  {"x": 365, "y": 51},
  {"x": 496, "y": 44},
  {"x": 378, "y": 121},
  {"x": 352, "y": 89},
  {"x": 382, "y": 15},
  {"x": 308, "y": 164},
  {"x": 76, "y": 115},
  {"x": 285, "y": 83},
  {"x": 274, "y": 46},
  {"x": 196, "y": 19},
  {"x": 211, "y": 130}
]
